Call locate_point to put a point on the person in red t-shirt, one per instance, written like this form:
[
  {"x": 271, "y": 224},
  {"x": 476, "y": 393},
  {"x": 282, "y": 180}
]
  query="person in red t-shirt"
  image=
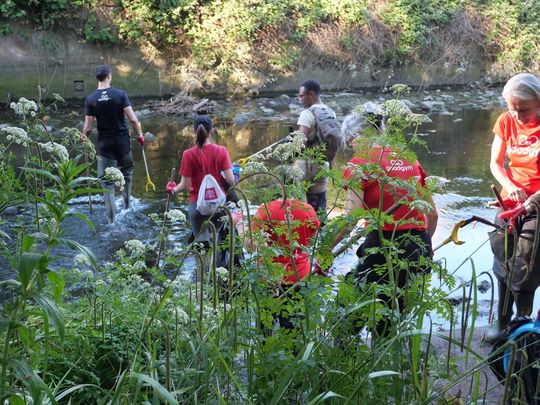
[
  {"x": 517, "y": 138},
  {"x": 290, "y": 226},
  {"x": 204, "y": 158},
  {"x": 380, "y": 162},
  {"x": 271, "y": 218}
]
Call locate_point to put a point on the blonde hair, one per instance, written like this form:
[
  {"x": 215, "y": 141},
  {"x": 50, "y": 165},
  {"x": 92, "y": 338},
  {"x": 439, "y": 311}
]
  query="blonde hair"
[{"x": 524, "y": 86}]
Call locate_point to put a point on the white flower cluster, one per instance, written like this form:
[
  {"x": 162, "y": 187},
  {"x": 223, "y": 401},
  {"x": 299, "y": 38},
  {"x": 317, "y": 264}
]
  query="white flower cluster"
[
  {"x": 17, "y": 135},
  {"x": 254, "y": 166},
  {"x": 176, "y": 216},
  {"x": 398, "y": 89},
  {"x": 56, "y": 149},
  {"x": 81, "y": 260},
  {"x": 289, "y": 150},
  {"x": 139, "y": 265},
  {"x": 135, "y": 247},
  {"x": 418, "y": 119},
  {"x": 24, "y": 106},
  {"x": 396, "y": 108},
  {"x": 181, "y": 315},
  {"x": 155, "y": 218},
  {"x": 222, "y": 272},
  {"x": 115, "y": 175}
]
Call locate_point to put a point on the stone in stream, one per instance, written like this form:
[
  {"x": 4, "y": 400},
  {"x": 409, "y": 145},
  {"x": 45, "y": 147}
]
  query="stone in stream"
[
  {"x": 432, "y": 106},
  {"x": 268, "y": 110},
  {"x": 149, "y": 137},
  {"x": 241, "y": 118}
]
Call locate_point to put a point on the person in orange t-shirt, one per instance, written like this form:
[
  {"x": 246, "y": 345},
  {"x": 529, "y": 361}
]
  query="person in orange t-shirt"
[{"x": 517, "y": 138}]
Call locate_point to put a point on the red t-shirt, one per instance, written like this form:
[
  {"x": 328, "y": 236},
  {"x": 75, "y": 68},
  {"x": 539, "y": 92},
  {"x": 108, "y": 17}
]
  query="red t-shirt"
[
  {"x": 523, "y": 151},
  {"x": 270, "y": 218},
  {"x": 197, "y": 163},
  {"x": 398, "y": 168}
]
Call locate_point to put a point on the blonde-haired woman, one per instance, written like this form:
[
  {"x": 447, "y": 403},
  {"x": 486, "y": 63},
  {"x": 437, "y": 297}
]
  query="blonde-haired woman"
[{"x": 517, "y": 139}]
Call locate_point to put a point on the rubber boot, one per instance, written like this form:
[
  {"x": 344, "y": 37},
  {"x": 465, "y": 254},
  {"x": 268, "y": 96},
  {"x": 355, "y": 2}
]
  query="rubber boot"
[
  {"x": 108, "y": 196},
  {"x": 126, "y": 192},
  {"x": 503, "y": 317},
  {"x": 110, "y": 205},
  {"x": 524, "y": 303}
]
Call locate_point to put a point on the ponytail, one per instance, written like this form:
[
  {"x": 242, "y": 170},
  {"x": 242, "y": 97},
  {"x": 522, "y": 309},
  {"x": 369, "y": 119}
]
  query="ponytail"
[{"x": 201, "y": 135}]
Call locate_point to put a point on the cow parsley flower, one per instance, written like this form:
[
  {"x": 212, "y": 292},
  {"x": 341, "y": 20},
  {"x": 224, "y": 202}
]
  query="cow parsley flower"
[
  {"x": 155, "y": 218},
  {"x": 135, "y": 247},
  {"x": 418, "y": 119},
  {"x": 24, "y": 106},
  {"x": 396, "y": 108},
  {"x": 115, "y": 175},
  {"x": 222, "y": 272},
  {"x": 56, "y": 149},
  {"x": 81, "y": 260},
  {"x": 254, "y": 166},
  {"x": 398, "y": 89},
  {"x": 17, "y": 135},
  {"x": 176, "y": 216}
]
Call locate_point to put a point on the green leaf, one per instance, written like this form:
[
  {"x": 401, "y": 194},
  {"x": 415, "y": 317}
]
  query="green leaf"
[
  {"x": 84, "y": 218},
  {"x": 323, "y": 397},
  {"x": 28, "y": 262},
  {"x": 33, "y": 383},
  {"x": 27, "y": 243},
  {"x": 73, "y": 245},
  {"x": 158, "y": 388},
  {"x": 53, "y": 312},
  {"x": 57, "y": 283},
  {"x": 24, "y": 334},
  {"x": 10, "y": 283},
  {"x": 45, "y": 173},
  {"x": 384, "y": 373},
  {"x": 16, "y": 400},
  {"x": 73, "y": 389}
]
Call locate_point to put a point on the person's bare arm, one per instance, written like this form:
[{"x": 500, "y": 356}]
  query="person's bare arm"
[
  {"x": 353, "y": 200},
  {"x": 498, "y": 151},
  {"x": 184, "y": 184},
  {"x": 87, "y": 128},
  {"x": 432, "y": 217},
  {"x": 135, "y": 124},
  {"x": 305, "y": 130},
  {"x": 229, "y": 176}
]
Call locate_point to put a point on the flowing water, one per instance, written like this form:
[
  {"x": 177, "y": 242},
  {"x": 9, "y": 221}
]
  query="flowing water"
[{"x": 458, "y": 144}]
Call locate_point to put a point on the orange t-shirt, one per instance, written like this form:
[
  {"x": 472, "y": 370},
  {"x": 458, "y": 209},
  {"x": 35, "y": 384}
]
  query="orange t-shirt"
[
  {"x": 270, "y": 217},
  {"x": 523, "y": 151}
]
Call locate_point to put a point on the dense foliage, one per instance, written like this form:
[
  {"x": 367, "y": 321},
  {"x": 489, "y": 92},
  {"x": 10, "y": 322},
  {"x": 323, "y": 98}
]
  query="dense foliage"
[
  {"x": 125, "y": 332},
  {"x": 236, "y": 37}
]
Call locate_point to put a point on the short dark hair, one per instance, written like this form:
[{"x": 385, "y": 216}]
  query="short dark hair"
[
  {"x": 102, "y": 71},
  {"x": 312, "y": 85}
]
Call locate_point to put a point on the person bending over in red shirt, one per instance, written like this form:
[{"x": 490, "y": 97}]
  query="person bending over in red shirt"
[{"x": 289, "y": 227}]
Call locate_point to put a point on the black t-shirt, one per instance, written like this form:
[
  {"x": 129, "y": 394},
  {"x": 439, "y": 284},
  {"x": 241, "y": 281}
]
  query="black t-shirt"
[{"x": 107, "y": 105}]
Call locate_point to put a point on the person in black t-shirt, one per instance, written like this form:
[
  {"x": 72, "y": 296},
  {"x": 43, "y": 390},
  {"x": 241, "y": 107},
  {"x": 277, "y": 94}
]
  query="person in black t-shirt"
[{"x": 109, "y": 106}]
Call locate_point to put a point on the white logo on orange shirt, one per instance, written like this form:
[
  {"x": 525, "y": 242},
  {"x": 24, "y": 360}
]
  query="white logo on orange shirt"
[{"x": 526, "y": 146}]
